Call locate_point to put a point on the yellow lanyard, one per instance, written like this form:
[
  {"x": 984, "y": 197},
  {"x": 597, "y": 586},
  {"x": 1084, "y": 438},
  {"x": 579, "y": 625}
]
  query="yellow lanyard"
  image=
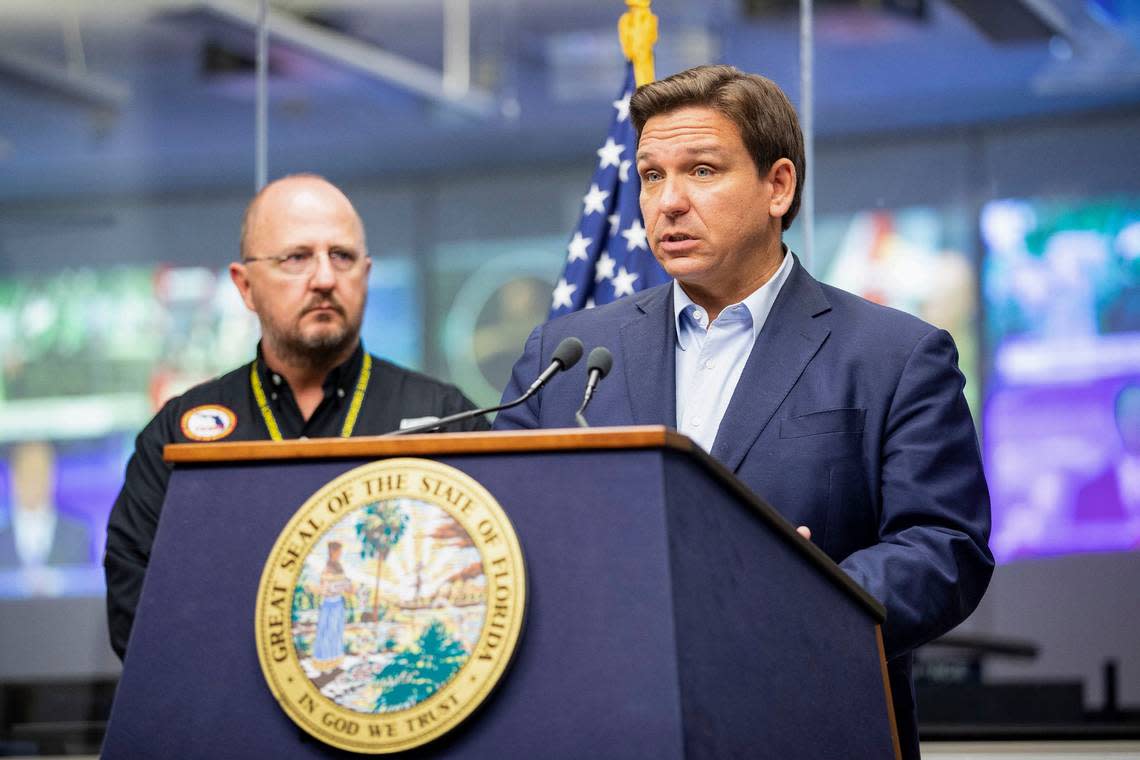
[{"x": 349, "y": 419}]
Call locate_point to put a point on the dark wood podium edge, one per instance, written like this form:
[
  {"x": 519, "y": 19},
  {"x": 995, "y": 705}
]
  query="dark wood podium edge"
[
  {"x": 520, "y": 441},
  {"x": 895, "y": 744},
  {"x": 638, "y": 437}
]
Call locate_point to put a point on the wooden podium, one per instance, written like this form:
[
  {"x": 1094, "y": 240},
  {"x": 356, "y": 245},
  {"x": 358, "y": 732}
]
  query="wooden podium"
[{"x": 671, "y": 613}]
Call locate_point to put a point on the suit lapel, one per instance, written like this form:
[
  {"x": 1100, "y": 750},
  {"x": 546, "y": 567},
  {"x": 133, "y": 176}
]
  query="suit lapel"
[
  {"x": 790, "y": 338},
  {"x": 649, "y": 360}
]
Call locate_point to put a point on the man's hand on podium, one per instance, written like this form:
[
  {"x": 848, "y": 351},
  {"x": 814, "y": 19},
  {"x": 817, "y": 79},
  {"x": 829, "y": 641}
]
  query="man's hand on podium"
[{"x": 804, "y": 531}]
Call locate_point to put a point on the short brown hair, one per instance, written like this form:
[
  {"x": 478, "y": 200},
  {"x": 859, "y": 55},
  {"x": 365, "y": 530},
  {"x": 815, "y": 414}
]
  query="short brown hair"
[{"x": 761, "y": 111}]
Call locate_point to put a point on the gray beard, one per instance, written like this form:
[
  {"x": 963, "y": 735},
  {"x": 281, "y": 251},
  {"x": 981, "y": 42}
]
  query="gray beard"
[{"x": 320, "y": 353}]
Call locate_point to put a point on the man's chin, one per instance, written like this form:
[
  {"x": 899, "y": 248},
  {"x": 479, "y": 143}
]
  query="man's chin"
[
  {"x": 327, "y": 341},
  {"x": 319, "y": 347},
  {"x": 697, "y": 277},
  {"x": 683, "y": 267}
]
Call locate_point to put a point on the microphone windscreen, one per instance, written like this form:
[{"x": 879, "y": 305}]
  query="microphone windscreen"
[
  {"x": 600, "y": 359},
  {"x": 568, "y": 353}
]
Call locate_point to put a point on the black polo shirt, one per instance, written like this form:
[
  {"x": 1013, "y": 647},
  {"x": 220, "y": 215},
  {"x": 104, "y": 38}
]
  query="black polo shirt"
[{"x": 227, "y": 408}]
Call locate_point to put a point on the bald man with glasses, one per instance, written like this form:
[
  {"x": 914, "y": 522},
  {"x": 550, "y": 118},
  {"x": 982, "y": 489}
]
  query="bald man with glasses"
[{"x": 304, "y": 271}]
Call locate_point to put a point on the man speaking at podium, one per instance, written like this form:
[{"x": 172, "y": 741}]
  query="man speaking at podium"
[
  {"x": 846, "y": 416},
  {"x": 304, "y": 270}
]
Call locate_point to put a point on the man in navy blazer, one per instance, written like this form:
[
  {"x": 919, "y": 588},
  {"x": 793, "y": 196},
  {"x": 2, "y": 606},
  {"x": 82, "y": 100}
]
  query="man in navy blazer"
[
  {"x": 35, "y": 532},
  {"x": 846, "y": 416}
]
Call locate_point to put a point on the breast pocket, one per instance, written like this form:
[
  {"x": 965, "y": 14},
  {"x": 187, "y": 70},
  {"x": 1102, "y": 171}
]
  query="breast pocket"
[{"x": 819, "y": 423}]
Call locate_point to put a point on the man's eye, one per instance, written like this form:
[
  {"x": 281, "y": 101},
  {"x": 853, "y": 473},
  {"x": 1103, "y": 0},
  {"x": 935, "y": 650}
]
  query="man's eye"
[
  {"x": 650, "y": 175},
  {"x": 703, "y": 171},
  {"x": 299, "y": 257},
  {"x": 346, "y": 257}
]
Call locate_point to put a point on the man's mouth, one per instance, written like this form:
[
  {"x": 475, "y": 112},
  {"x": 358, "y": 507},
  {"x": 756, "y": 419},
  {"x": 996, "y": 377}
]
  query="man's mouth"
[
  {"x": 677, "y": 244},
  {"x": 323, "y": 308}
]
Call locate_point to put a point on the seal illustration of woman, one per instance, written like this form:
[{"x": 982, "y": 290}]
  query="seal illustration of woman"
[{"x": 328, "y": 649}]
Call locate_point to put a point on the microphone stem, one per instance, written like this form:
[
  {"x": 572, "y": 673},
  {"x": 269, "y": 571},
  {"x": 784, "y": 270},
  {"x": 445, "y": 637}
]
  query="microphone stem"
[
  {"x": 565, "y": 356},
  {"x": 460, "y": 416},
  {"x": 591, "y": 385}
]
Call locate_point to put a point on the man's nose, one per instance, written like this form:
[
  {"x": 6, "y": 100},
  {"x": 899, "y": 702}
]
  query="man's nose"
[
  {"x": 324, "y": 276},
  {"x": 674, "y": 199}
]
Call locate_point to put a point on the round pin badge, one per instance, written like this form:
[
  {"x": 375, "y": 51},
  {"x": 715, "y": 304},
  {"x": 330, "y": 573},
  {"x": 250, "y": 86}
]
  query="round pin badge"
[{"x": 209, "y": 422}]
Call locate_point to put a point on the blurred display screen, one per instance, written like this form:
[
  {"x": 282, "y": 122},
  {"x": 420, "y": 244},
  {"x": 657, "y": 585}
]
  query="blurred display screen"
[
  {"x": 88, "y": 357},
  {"x": 913, "y": 259},
  {"x": 494, "y": 292},
  {"x": 1061, "y": 287}
]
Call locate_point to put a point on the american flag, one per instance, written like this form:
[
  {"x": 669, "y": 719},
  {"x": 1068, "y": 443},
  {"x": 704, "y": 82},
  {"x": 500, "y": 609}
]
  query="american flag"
[{"x": 608, "y": 257}]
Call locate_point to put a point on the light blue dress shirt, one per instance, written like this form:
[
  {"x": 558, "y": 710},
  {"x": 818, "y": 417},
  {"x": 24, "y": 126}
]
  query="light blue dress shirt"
[{"x": 711, "y": 357}]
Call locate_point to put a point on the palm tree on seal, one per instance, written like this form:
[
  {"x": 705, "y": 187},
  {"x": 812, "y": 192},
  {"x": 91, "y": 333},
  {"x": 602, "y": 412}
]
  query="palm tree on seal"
[{"x": 379, "y": 529}]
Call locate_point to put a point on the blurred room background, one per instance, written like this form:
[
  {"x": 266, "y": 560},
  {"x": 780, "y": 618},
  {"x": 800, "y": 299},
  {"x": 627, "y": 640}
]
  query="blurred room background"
[{"x": 976, "y": 163}]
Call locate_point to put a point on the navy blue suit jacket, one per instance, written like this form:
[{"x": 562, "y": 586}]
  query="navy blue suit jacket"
[{"x": 848, "y": 418}]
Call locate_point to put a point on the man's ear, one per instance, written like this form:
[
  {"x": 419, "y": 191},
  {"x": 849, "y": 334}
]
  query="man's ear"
[
  {"x": 782, "y": 177},
  {"x": 240, "y": 278}
]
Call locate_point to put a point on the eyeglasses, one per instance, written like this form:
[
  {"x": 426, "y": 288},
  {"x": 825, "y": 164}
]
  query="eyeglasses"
[{"x": 301, "y": 263}]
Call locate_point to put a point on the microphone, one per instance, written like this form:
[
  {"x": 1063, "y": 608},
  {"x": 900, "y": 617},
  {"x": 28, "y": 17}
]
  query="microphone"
[
  {"x": 565, "y": 356},
  {"x": 598, "y": 365}
]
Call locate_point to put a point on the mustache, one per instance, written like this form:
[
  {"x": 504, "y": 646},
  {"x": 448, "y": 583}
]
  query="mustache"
[{"x": 323, "y": 302}]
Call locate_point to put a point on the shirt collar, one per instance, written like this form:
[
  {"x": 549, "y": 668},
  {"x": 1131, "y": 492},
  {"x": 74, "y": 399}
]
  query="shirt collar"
[
  {"x": 35, "y": 519},
  {"x": 33, "y": 531},
  {"x": 758, "y": 303},
  {"x": 341, "y": 377}
]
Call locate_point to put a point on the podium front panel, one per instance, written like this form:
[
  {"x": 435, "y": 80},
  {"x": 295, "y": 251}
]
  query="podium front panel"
[{"x": 596, "y": 663}]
